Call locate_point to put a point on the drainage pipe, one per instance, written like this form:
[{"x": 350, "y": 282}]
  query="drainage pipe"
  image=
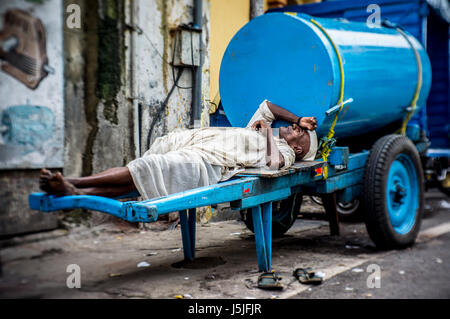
[{"x": 197, "y": 70}]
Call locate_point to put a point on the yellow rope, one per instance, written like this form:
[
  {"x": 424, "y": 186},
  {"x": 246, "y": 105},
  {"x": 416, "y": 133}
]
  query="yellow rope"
[
  {"x": 326, "y": 148},
  {"x": 419, "y": 83}
]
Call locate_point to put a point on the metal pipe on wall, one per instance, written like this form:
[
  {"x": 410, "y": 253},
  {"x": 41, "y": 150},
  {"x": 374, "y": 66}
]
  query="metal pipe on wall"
[
  {"x": 197, "y": 71},
  {"x": 256, "y": 8},
  {"x": 132, "y": 20}
]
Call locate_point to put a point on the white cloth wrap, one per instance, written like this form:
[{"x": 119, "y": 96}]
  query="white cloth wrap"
[
  {"x": 187, "y": 159},
  {"x": 156, "y": 175}
]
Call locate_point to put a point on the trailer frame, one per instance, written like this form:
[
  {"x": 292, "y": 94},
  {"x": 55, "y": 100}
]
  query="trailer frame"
[{"x": 255, "y": 189}]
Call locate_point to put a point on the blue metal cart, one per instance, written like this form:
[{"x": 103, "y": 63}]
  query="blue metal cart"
[{"x": 253, "y": 188}]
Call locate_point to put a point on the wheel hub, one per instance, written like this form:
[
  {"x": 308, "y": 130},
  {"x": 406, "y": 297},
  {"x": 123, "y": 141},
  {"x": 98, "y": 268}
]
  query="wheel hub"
[
  {"x": 402, "y": 194},
  {"x": 399, "y": 193}
]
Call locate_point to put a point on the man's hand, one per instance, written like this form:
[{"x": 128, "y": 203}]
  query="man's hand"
[
  {"x": 259, "y": 125},
  {"x": 309, "y": 123}
]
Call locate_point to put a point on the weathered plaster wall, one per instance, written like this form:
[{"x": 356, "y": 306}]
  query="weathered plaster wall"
[
  {"x": 76, "y": 125},
  {"x": 111, "y": 143},
  {"x": 100, "y": 117},
  {"x": 15, "y": 217},
  {"x": 158, "y": 20}
]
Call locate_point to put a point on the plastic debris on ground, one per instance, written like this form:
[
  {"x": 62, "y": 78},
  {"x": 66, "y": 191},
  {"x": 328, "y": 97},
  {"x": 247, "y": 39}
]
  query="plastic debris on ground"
[
  {"x": 151, "y": 254},
  {"x": 401, "y": 272},
  {"x": 357, "y": 270},
  {"x": 143, "y": 264},
  {"x": 335, "y": 283},
  {"x": 112, "y": 275},
  {"x": 439, "y": 260}
]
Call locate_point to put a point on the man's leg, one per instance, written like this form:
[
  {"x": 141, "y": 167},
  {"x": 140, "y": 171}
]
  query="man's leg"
[
  {"x": 108, "y": 191},
  {"x": 112, "y": 176},
  {"x": 112, "y": 182}
]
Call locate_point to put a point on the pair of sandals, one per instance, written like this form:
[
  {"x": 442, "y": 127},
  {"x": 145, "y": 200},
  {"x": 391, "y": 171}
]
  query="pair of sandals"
[{"x": 271, "y": 280}]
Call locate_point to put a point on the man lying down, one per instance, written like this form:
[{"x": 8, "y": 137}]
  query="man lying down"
[{"x": 188, "y": 159}]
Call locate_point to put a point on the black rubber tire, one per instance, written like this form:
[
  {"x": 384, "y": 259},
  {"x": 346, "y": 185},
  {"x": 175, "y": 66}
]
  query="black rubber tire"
[
  {"x": 376, "y": 215},
  {"x": 350, "y": 214},
  {"x": 283, "y": 217},
  {"x": 356, "y": 214}
]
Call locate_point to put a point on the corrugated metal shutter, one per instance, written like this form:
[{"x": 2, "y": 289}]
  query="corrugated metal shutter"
[{"x": 438, "y": 111}]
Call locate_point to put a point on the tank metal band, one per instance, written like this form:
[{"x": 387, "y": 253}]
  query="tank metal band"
[
  {"x": 328, "y": 141},
  {"x": 413, "y": 106}
]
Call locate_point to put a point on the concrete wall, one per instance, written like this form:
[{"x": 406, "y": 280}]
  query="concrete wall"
[
  {"x": 154, "y": 77},
  {"x": 117, "y": 76}
]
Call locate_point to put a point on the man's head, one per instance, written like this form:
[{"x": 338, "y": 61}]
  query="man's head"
[{"x": 303, "y": 142}]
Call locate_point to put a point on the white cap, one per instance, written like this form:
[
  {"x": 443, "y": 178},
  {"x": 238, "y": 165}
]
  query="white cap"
[{"x": 311, "y": 155}]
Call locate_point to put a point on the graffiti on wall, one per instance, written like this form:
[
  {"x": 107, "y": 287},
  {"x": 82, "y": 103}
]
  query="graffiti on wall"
[{"x": 31, "y": 84}]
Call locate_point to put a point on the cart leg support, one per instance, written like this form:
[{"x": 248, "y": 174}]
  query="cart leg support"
[
  {"x": 262, "y": 225},
  {"x": 188, "y": 233},
  {"x": 329, "y": 203}
]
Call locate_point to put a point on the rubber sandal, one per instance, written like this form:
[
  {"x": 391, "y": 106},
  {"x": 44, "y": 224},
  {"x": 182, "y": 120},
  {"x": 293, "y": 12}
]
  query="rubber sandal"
[
  {"x": 307, "y": 276},
  {"x": 269, "y": 281}
]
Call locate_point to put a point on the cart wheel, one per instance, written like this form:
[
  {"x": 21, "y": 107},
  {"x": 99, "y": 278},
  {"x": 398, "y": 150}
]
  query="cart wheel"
[
  {"x": 393, "y": 192},
  {"x": 317, "y": 200},
  {"x": 283, "y": 216},
  {"x": 348, "y": 212},
  {"x": 351, "y": 211}
]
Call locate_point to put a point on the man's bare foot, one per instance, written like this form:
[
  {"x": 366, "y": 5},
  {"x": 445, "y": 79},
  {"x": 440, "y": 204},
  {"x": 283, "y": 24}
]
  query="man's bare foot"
[
  {"x": 57, "y": 185},
  {"x": 44, "y": 178}
]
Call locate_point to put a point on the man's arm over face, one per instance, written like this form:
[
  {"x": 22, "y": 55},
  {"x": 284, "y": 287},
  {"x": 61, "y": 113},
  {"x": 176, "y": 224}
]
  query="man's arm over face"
[
  {"x": 275, "y": 159},
  {"x": 309, "y": 123}
]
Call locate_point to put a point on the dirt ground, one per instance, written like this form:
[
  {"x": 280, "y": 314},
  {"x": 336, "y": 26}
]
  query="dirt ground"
[{"x": 124, "y": 262}]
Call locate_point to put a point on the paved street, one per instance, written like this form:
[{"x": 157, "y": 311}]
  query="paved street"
[
  {"x": 119, "y": 262},
  {"x": 419, "y": 272}
]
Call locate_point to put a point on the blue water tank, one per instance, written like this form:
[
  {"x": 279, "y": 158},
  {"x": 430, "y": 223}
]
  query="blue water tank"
[{"x": 287, "y": 59}]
